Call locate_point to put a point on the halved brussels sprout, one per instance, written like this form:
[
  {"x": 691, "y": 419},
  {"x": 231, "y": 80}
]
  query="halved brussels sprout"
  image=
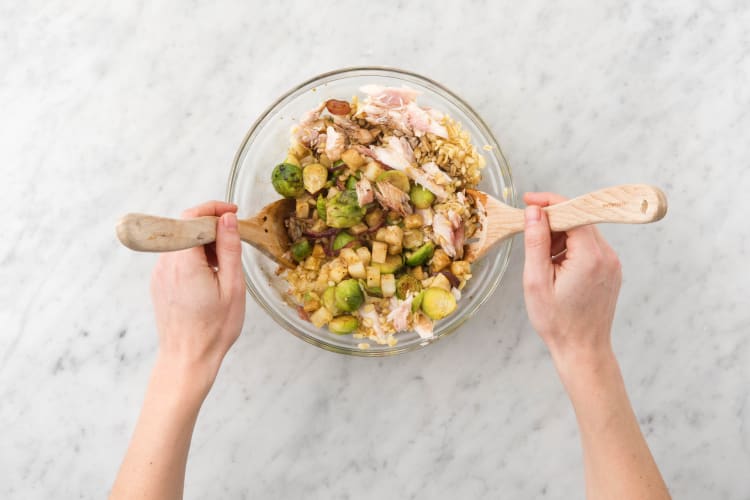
[
  {"x": 287, "y": 180},
  {"x": 438, "y": 303},
  {"x": 343, "y": 325},
  {"x": 349, "y": 295}
]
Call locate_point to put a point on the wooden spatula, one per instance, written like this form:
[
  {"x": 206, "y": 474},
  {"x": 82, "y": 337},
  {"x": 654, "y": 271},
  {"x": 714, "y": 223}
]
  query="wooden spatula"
[
  {"x": 626, "y": 204},
  {"x": 265, "y": 231}
]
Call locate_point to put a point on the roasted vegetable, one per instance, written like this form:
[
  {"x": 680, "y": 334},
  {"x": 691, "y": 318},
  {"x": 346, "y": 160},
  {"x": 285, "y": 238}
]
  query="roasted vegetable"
[
  {"x": 406, "y": 285},
  {"x": 320, "y": 206},
  {"x": 301, "y": 250},
  {"x": 392, "y": 264},
  {"x": 287, "y": 180},
  {"x": 342, "y": 239},
  {"x": 396, "y": 178},
  {"x": 421, "y": 197},
  {"x": 348, "y": 295},
  {"x": 314, "y": 177},
  {"x": 343, "y": 324},
  {"x": 421, "y": 255},
  {"x": 329, "y": 300},
  {"x": 438, "y": 303},
  {"x": 343, "y": 210}
]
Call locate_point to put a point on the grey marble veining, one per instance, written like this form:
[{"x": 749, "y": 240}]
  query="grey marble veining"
[{"x": 141, "y": 106}]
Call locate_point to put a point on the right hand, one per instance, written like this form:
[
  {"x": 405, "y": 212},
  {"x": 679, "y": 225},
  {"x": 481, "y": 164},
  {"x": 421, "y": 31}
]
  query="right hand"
[{"x": 570, "y": 300}]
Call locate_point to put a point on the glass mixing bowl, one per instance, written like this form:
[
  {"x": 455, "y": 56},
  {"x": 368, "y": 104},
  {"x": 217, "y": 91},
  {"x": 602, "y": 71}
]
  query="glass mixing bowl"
[{"x": 265, "y": 145}]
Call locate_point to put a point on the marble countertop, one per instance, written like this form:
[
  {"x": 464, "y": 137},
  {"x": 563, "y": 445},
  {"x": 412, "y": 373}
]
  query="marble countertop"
[{"x": 140, "y": 106}]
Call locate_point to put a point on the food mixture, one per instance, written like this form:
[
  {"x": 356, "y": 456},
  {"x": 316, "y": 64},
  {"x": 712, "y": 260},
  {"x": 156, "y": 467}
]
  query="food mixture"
[{"x": 381, "y": 215}]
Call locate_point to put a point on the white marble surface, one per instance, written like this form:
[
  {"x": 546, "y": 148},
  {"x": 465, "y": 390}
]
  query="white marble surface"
[{"x": 109, "y": 107}]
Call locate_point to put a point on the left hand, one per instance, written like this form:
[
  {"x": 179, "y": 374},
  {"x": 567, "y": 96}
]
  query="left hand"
[{"x": 199, "y": 298}]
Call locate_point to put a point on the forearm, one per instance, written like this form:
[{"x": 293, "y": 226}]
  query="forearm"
[
  {"x": 154, "y": 466},
  {"x": 617, "y": 460}
]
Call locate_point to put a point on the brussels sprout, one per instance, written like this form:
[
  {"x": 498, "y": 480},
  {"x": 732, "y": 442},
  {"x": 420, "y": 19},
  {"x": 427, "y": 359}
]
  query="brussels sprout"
[
  {"x": 343, "y": 325},
  {"x": 438, "y": 303},
  {"x": 417, "y": 302},
  {"x": 342, "y": 239},
  {"x": 396, "y": 178},
  {"x": 314, "y": 177},
  {"x": 421, "y": 255},
  {"x": 337, "y": 164},
  {"x": 287, "y": 180},
  {"x": 351, "y": 182},
  {"x": 329, "y": 300},
  {"x": 348, "y": 295},
  {"x": 301, "y": 250},
  {"x": 421, "y": 197},
  {"x": 392, "y": 264},
  {"x": 320, "y": 206},
  {"x": 406, "y": 285},
  {"x": 343, "y": 210}
]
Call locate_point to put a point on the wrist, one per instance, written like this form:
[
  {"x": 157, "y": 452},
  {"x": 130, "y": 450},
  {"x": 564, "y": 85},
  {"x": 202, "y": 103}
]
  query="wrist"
[
  {"x": 583, "y": 365},
  {"x": 188, "y": 381}
]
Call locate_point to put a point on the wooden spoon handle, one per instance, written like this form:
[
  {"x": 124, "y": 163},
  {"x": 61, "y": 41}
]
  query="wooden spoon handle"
[
  {"x": 147, "y": 233},
  {"x": 626, "y": 204}
]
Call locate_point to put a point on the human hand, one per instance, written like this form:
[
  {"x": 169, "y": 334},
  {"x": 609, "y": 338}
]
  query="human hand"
[
  {"x": 199, "y": 298},
  {"x": 570, "y": 299}
]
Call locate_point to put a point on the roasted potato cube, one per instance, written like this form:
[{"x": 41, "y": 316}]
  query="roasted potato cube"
[
  {"x": 364, "y": 255},
  {"x": 352, "y": 158},
  {"x": 460, "y": 268},
  {"x": 440, "y": 260},
  {"x": 440, "y": 281},
  {"x": 373, "y": 277},
  {"x": 379, "y": 252},
  {"x": 321, "y": 317},
  {"x": 413, "y": 221},
  {"x": 357, "y": 270},
  {"x": 393, "y": 235},
  {"x": 388, "y": 285},
  {"x": 302, "y": 209}
]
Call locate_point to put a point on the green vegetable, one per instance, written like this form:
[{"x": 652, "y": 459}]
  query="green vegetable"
[
  {"x": 329, "y": 300},
  {"x": 396, "y": 178},
  {"x": 393, "y": 218},
  {"x": 417, "y": 303},
  {"x": 438, "y": 303},
  {"x": 343, "y": 325},
  {"x": 406, "y": 285},
  {"x": 337, "y": 163},
  {"x": 342, "y": 239},
  {"x": 392, "y": 264},
  {"x": 320, "y": 206},
  {"x": 351, "y": 182},
  {"x": 421, "y": 255},
  {"x": 343, "y": 210},
  {"x": 314, "y": 177},
  {"x": 301, "y": 250},
  {"x": 348, "y": 295},
  {"x": 421, "y": 197},
  {"x": 287, "y": 180}
]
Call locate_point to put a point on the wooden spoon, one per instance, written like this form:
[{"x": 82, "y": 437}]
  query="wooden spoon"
[
  {"x": 265, "y": 231},
  {"x": 626, "y": 204}
]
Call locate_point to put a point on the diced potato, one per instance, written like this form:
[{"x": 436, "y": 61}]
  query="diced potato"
[
  {"x": 380, "y": 234},
  {"x": 379, "y": 252},
  {"x": 373, "y": 276},
  {"x": 311, "y": 302},
  {"x": 357, "y": 270},
  {"x": 302, "y": 209},
  {"x": 413, "y": 221},
  {"x": 372, "y": 170},
  {"x": 440, "y": 281},
  {"x": 395, "y": 249},
  {"x": 298, "y": 150},
  {"x": 338, "y": 270},
  {"x": 413, "y": 238},
  {"x": 358, "y": 228},
  {"x": 352, "y": 158},
  {"x": 388, "y": 285},
  {"x": 312, "y": 263},
  {"x": 364, "y": 255},
  {"x": 374, "y": 218},
  {"x": 318, "y": 251},
  {"x": 440, "y": 261},
  {"x": 321, "y": 317},
  {"x": 393, "y": 235},
  {"x": 349, "y": 256},
  {"x": 460, "y": 268},
  {"x": 306, "y": 160},
  {"x": 418, "y": 272}
]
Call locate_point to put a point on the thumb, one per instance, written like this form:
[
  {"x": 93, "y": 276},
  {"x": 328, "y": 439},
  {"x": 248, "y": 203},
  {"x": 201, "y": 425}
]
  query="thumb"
[
  {"x": 228, "y": 251},
  {"x": 538, "y": 269}
]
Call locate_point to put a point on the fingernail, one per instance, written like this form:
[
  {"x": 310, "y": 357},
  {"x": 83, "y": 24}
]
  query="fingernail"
[
  {"x": 229, "y": 220},
  {"x": 533, "y": 214}
]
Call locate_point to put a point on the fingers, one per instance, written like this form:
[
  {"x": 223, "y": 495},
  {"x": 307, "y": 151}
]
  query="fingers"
[
  {"x": 543, "y": 199},
  {"x": 217, "y": 208},
  {"x": 538, "y": 270},
  {"x": 229, "y": 254}
]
